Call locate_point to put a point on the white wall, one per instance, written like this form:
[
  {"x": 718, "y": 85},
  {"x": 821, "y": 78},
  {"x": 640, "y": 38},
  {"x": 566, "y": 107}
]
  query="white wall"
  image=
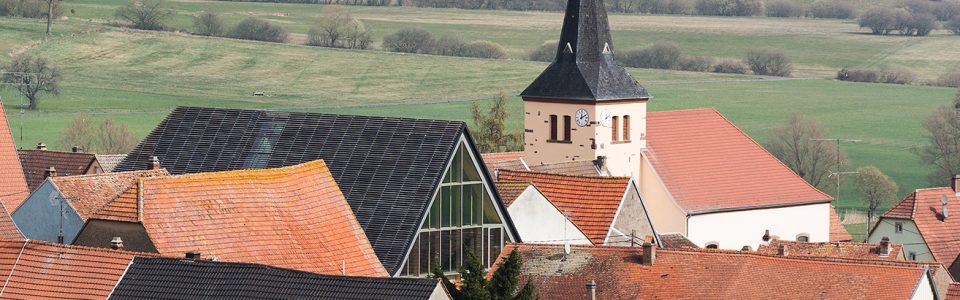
[
  {"x": 539, "y": 222},
  {"x": 733, "y": 230},
  {"x": 924, "y": 290},
  {"x": 909, "y": 237}
]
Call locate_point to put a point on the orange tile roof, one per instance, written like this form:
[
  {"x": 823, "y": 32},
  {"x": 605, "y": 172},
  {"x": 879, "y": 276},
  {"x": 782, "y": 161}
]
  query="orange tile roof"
[
  {"x": 510, "y": 190},
  {"x": 708, "y": 274},
  {"x": 90, "y": 193},
  {"x": 37, "y": 162},
  {"x": 504, "y": 161},
  {"x": 576, "y": 168},
  {"x": 591, "y": 202},
  {"x": 838, "y": 233},
  {"x": 8, "y": 229},
  {"x": 953, "y": 293},
  {"x": 35, "y": 269},
  {"x": 924, "y": 208},
  {"x": 293, "y": 217},
  {"x": 13, "y": 186},
  {"x": 735, "y": 172},
  {"x": 832, "y": 249}
]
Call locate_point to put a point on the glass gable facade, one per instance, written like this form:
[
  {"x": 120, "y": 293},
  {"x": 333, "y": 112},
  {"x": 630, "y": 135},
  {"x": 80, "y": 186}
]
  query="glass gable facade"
[{"x": 461, "y": 219}]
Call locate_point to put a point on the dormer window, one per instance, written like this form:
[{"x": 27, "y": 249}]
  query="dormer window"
[
  {"x": 803, "y": 237},
  {"x": 712, "y": 245}
]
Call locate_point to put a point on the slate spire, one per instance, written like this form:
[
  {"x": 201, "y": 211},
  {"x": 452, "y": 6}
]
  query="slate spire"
[{"x": 584, "y": 68}]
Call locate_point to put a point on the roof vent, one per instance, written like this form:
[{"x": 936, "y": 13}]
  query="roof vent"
[
  {"x": 51, "y": 172},
  {"x": 606, "y": 48},
  {"x": 41, "y": 146},
  {"x": 76, "y": 149},
  {"x": 116, "y": 243},
  {"x": 568, "y": 49},
  {"x": 943, "y": 201},
  {"x": 154, "y": 163},
  {"x": 193, "y": 255}
]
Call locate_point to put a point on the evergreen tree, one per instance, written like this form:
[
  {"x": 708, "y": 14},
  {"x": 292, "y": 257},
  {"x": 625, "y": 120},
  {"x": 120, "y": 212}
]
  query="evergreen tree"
[
  {"x": 474, "y": 284},
  {"x": 504, "y": 280}
]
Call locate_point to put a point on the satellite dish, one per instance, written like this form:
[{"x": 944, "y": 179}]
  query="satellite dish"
[{"x": 944, "y": 199}]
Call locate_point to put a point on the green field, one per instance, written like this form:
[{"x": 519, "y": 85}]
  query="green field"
[{"x": 136, "y": 77}]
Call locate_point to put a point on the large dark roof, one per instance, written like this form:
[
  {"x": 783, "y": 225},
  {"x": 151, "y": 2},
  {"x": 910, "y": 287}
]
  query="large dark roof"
[
  {"x": 37, "y": 162},
  {"x": 584, "y": 68},
  {"x": 168, "y": 278},
  {"x": 388, "y": 168}
]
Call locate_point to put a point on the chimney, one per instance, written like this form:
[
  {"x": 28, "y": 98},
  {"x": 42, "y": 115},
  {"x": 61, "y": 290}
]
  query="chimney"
[
  {"x": 154, "y": 163},
  {"x": 76, "y": 149},
  {"x": 649, "y": 254},
  {"x": 884, "y": 247},
  {"x": 600, "y": 162},
  {"x": 782, "y": 250},
  {"x": 954, "y": 184},
  {"x": 116, "y": 243},
  {"x": 766, "y": 236},
  {"x": 51, "y": 172},
  {"x": 193, "y": 255},
  {"x": 41, "y": 146},
  {"x": 592, "y": 289}
]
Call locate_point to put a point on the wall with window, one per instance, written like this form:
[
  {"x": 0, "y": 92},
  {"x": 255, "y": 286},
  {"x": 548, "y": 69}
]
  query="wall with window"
[
  {"x": 908, "y": 235},
  {"x": 462, "y": 219},
  {"x": 733, "y": 230}
]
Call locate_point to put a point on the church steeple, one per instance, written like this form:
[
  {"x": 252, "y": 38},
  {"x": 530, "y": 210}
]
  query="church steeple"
[{"x": 584, "y": 68}]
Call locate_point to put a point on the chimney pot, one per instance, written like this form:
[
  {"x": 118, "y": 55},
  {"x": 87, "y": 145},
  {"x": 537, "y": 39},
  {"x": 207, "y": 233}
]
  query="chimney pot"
[
  {"x": 154, "y": 163},
  {"x": 592, "y": 289},
  {"x": 116, "y": 243},
  {"x": 51, "y": 172},
  {"x": 193, "y": 255},
  {"x": 884, "y": 247},
  {"x": 76, "y": 149},
  {"x": 782, "y": 250},
  {"x": 41, "y": 146},
  {"x": 649, "y": 254},
  {"x": 766, "y": 235}
]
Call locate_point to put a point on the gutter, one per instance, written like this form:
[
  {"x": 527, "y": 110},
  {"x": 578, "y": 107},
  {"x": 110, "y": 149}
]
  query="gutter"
[{"x": 779, "y": 205}]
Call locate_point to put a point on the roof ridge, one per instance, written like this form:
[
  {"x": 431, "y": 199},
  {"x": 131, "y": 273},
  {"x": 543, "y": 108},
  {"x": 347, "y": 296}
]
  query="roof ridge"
[
  {"x": 243, "y": 173},
  {"x": 105, "y": 174},
  {"x": 606, "y": 178},
  {"x": 89, "y": 248},
  {"x": 280, "y": 110}
]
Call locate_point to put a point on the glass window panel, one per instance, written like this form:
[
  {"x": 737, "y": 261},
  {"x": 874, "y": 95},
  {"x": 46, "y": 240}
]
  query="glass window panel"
[
  {"x": 413, "y": 261},
  {"x": 435, "y": 213},
  {"x": 447, "y": 177},
  {"x": 445, "y": 249},
  {"x": 455, "y": 202},
  {"x": 496, "y": 244},
  {"x": 485, "y": 244},
  {"x": 472, "y": 201},
  {"x": 456, "y": 246},
  {"x": 424, "y": 252},
  {"x": 472, "y": 242},
  {"x": 456, "y": 167},
  {"x": 489, "y": 213},
  {"x": 470, "y": 173},
  {"x": 435, "y": 250},
  {"x": 447, "y": 196}
]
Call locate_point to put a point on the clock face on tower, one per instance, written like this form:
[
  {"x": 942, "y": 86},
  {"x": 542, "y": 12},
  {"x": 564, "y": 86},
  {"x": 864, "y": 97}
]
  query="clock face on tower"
[{"x": 582, "y": 118}]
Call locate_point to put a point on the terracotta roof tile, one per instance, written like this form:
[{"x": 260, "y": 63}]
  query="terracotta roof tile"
[
  {"x": 293, "y": 217},
  {"x": 575, "y": 168},
  {"x": 953, "y": 293},
  {"x": 510, "y": 190},
  {"x": 13, "y": 186},
  {"x": 939, "y": 234},
  {"x": 708, "y": 274},
  {"x": 838, "y": 233},
  {"x": 676, "y": 240},
  {"x": 832, "y": 249},
  {"x": 8, "y": 229},
  {"x": 36, "y": 269},
  {"x": 903, "y": 209},
  {"x": 504, "y": 161},
  {"x": 110, "y": 161},
  {"x": 90, "y": 193},
  {"x": 590, "y": 202},
  {"x": 36, "y": 162},
  {"x": 736, "y": 172}
]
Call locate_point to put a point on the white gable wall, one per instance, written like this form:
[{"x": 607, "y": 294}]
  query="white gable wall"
[
  {"x": 909, "y": 237},
  {"x": 924, "y": 289},
  {"x": 733, "y": 230},
  {"x": 539, "y": 222}
]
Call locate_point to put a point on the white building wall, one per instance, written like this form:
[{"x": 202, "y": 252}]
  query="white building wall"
[
  {"x": 733, "y": 230},
  {"x": 909, "y": 237},
  {"x": 924, "y": 290},
  {"x": 539, "y": 222}
]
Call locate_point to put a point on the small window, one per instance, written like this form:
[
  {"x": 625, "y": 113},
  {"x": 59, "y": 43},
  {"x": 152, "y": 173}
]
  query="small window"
[
  {"x": 912, "y": 256},
  {"x": 614, "y": 128},
  {"x": 553, "y": 127},
  {"x": 566, "y": 128},
  {"x": 803, "y": 237},
  {"x": 626, "y": 128},
  {"x": 713, "y": 245},
  {"x": 898, "y": 227}
]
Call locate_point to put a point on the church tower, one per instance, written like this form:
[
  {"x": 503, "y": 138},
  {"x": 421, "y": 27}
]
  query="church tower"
[{"x": 585, "y": 105}]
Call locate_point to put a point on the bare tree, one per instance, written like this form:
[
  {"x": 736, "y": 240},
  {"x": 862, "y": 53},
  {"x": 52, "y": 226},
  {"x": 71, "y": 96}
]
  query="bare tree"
[
  {"x": 32, "y": 76},
  {"x": 794, "y": 144},
  {"x": 81, "y": 133},
  {"x": 332, "y": 25},
  {"x": 114, "y": 138},
  {"x": 490, "y": 132},
  {"x": 877, "y": 190},
  {"x": 50, "y": 15},
  {"x": 942, "y": 149},
  {"x": 145, "y": 14}
]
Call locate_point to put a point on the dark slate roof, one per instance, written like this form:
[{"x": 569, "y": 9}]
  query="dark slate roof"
[
  {"x": 37, "y": 162},
  {"x": 169, "y": 278},
  {"x": 584, "y": 68},
  {"x": 388, "y": 168}
]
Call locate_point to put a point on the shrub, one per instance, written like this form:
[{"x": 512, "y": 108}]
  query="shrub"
[
  {"x": 485, "y": 49},
  {"x": 857, "y": 75},
  {"x": 450, "y": 46},
  {"x": 832, "y": 9},
  {"x": 769, "y": 62},
  {"x": 947, "y": 10},
  {"x": 338, "y": 28},
  {"x": 694, "y": 63},
  {"x": 730, "y": 7},
  {"x": 257, "y": 29},
  {"x": 662, "y": 55},
  {"x": 951, "y": 79},
  {"x": 36, "y": 9},
  {"x": 209, "y": 24},
  {"x": 897, "y": 76},
  {"x": 409, "y": 40},
  {"x": 679, "y": 7},
  {"x": 784, "y": 9},
  {"x": 953, "y": 25},
  {"x": 546, "y": 52},
  {"x": 919, "y": 24},
  {"x": 886, "y": 76},
  {"x": 880, "y": 20},
  {"x": 145, "y": 14},
  {"x": 730, "y": 66}
]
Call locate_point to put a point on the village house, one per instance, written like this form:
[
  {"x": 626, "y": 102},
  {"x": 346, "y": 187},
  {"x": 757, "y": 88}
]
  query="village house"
[
  {"x": 147, "y": 277},
  {"x": 923, "y": 224},
  {"x": 40, "y": 163},
  {"x": 608, "y": 210},
  {"x": 13, "y": 186},
  {"x": 586, "y": 110},
  {"x": 416, "y": 186},
  {"x": 612, "y": 272},
  {"x": 61, "y": 206},
  {"x": 884, "y": 250},
  {"x": 293, "y": 217}
]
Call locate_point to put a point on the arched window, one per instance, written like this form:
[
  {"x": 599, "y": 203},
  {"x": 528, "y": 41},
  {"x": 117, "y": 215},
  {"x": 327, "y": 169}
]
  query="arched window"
[
  {"x": 803, "y": 237},
  {"x": 614, "y": 128},
  {"x": 626, "y": 128},
  {"x": 712, "y": 245}
]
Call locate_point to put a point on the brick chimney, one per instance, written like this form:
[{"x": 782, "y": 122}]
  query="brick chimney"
[
  {"x": 193, "y": 255},
  {"x": 884, "y": 247},
  {"x": 592, "y": 289},
  {"x": 76, "y": 149},
  {"x": 954, "y": 184},
  {"x": 649, "y": 254},
  {"x": 116, "y": 243},
  {"x": 782, "y": 250},
  {"x": 154, "y": 163},
  {"x": 51, "y": 172},
  {"x": 41, "y": 146}
]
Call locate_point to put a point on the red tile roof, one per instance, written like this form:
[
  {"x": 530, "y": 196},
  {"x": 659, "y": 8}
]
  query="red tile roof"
[
  {"x": 734, "y": 172},
  {"x": 924, "y": 208},
  {"x": 37, "y": 162},
  {"x": 590, "y": 202},
  {"x": 576, "y": 168},
  {"x": 13, "y": 186},
  {"x": 838, "y": 233},
  {"x": 8, "y": 229},
  {"x": 90, "y": 193},
  {"x": 504, "y": 161},
  {"x": 36, "y": 269},
  {"x": 510, "y": 190},
  {"x": 832, "y": 249},
  {"x": 953, "y": 293},
  {"x": 293, "y": 217},
  {"x": 676, "y": 240},
  {"x": 708, "y": 274}
]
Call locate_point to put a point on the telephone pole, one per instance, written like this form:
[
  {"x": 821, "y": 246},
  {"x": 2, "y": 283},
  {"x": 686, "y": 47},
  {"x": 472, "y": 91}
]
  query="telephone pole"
[{"x": 838, "y": 173}]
